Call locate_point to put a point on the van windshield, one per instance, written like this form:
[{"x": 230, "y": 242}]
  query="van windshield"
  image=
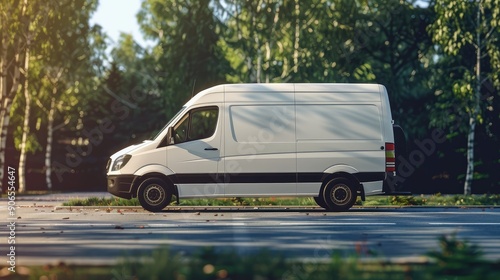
[{"x": 169, "y": 123}]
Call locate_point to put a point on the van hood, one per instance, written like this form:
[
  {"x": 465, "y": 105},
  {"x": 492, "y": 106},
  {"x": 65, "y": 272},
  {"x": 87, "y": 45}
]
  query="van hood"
[{"x": 130, "y": 149}]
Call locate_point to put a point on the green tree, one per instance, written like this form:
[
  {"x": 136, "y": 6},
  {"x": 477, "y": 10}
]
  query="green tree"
[
  {"x": 330, "y": 51},
  {"x": 36, "y": 16},
  {"x": 467, "y": 33},
  {"x": 186, "y": 55},
  {"x": 392, "y": 34},
  {"x": 259, "y": 39},
  {"x": 130, "y": 96},
  {"x": 69, "y": 52}
]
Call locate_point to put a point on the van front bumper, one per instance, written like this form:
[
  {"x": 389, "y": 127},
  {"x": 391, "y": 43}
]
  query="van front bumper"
[{"x": 121, "y": 185}]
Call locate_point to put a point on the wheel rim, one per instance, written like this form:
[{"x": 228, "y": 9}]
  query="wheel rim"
[
  {"x": 341, "y": 194},
  {"x": 154, "y": 194}
]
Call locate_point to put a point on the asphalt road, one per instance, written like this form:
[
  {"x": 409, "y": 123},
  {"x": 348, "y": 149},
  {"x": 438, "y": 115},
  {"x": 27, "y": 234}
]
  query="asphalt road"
[{"x": 46, "y": 233}]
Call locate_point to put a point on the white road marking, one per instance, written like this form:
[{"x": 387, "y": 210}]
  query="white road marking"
[
  {"x": 208, "y": 223},
  {"x": 69, "y": 225},
  {"x": 465, "y": 224},
  {"x": 335, "y": 224}
]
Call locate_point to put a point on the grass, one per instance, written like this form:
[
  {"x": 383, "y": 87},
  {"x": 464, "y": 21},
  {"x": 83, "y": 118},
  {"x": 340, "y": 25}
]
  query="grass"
[
  {"x": 427, "y": 200},
  {"x": 96, "y": 201},
  {"x": 454, "y": 259}
]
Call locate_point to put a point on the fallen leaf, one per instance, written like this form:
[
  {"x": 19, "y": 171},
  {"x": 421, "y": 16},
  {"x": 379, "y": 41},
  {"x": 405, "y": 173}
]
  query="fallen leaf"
[
  {"x": 65, "y": 218},
  {"x": 21, "y": 270},
  {"x": 118, "y": 227}
]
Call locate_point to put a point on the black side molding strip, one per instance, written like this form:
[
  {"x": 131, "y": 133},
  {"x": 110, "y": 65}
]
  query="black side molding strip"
[{"x": 200, "y": 178}]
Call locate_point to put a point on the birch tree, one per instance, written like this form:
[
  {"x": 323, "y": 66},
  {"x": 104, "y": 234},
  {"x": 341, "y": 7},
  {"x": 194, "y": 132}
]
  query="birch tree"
[
  {"x": 69, "y": 69},
  {"x": 462, "y": 27},
  {"x": 36, "y": 17},
  {"x": 13, "y": 23}
]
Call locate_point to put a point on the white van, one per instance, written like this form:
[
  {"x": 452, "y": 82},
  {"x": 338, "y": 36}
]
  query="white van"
[{"x": 333, "y": 142}]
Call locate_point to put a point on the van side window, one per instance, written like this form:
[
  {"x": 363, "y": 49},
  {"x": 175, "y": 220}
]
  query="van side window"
[{"x": 197, "y": 124}]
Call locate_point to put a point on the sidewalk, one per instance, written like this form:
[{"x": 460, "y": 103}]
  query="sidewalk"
[{"x": 54, "y": 199}]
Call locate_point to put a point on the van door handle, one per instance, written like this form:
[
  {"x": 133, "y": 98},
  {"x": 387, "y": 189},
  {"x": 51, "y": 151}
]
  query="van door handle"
[{"x": 211, "y": 149}]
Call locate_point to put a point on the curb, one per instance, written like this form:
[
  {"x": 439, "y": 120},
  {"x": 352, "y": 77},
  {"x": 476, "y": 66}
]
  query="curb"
[{"x": 269, "y": 208}]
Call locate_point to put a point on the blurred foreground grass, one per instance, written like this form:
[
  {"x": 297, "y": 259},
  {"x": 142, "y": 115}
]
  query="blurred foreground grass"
[
  {"x": 455, "y": 259},
  {"x": 423, "y": 200}
]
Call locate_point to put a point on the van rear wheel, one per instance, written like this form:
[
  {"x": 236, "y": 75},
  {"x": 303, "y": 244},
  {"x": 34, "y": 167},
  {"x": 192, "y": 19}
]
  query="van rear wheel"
[
  {"x": 339, "y": 194},
  {"x": 154, "y": 194}
]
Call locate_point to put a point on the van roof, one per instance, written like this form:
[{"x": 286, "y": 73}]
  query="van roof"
[
  {"x": 300, "y": 87},
  {"x": 373, "y": 90}
]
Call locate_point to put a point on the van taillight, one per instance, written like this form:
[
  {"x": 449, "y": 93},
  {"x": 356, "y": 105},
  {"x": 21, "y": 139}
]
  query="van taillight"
[{"x": 390, "y": 157}]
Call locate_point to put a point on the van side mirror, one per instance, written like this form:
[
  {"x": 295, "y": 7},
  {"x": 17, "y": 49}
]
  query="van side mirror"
[{"x": 170, "y": 136}]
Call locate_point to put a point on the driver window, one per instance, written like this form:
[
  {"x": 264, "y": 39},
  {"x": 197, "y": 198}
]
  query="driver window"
[
  {"x": 203, "y": 123},
  {"x": 197, "y": 124}
]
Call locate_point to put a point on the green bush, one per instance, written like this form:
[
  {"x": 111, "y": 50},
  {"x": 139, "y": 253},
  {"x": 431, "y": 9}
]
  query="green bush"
[
  {"x": 459, "y": 258},
  {"x": 407, "y": 200},
  {"x": 456, "y": 259}
]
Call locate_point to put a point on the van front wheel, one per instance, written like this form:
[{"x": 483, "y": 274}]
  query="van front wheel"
[
  {"x": 154, "y": 194},
  {"x": 339, "y": 194},
  {"x": 320, "y": 201}
]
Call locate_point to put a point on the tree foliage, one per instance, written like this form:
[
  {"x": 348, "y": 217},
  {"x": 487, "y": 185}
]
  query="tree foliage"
[
  {"x": 468, "y": 32},
  {"x": 80, "y": 110}
]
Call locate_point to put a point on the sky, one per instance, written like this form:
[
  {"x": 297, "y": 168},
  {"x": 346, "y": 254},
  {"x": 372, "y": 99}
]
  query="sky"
[{"x": 117, "y": 16}]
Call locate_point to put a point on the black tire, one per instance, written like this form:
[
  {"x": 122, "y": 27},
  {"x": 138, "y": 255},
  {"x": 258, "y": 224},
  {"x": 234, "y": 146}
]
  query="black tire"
[
  {"x": 339, "y": 194},
  {"x": 320, "y": 201},
  {"x": 154, "y": 194}
]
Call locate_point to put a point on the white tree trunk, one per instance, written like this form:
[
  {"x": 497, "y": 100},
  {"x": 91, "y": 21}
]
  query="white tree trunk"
[
  {"x": 26, "y": 128},
  {"x": 470, "y": 157},
  {"x": 296, "y": 38},
  {"x": 5, "y": 116},
  {"x": 50, "y": 133}
]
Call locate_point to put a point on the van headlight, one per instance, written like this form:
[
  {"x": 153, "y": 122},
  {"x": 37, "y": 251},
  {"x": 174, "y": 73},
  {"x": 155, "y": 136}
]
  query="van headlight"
[{"x": 120, "y": 162}]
